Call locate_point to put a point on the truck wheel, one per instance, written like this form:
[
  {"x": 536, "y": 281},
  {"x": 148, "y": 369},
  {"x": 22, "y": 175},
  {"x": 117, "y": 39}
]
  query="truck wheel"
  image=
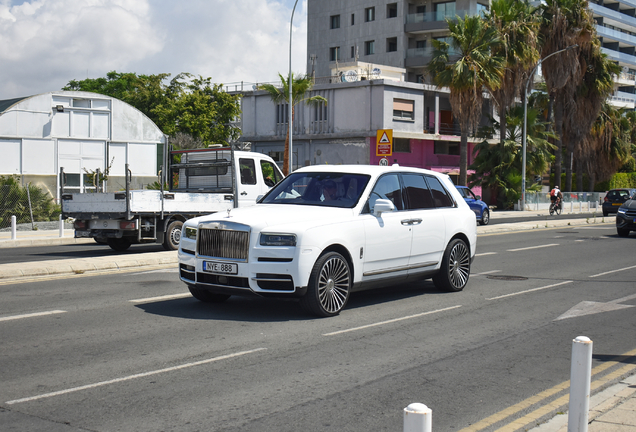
[
  {"x": 119, "y": 244},
  {"x": 101, "y": 240},
  {"x": 173, "y": 236},
  {"x": 207, "y": 296}
]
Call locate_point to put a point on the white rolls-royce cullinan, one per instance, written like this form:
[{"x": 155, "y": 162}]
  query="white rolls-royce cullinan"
[{"x": 326, "y": 231}]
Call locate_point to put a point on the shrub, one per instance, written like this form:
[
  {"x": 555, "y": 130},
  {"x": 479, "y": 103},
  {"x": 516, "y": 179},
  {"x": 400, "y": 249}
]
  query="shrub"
[{"x": 14, "y": 201}]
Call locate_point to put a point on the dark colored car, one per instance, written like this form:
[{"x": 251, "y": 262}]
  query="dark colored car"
[
  {"x": 615, "y": 198},
  {"x": 476, "y": 204},
  {"x": 626, "y": 218}
]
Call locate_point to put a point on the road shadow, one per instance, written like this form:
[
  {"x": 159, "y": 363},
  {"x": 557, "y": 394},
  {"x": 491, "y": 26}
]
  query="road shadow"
[
  {"x": 615, "y": 358},
  {"x": 261, "y": 309}
]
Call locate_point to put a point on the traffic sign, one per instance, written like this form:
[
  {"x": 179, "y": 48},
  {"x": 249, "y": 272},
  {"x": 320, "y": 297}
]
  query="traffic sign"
[
  {"x": 384, "y": 162},
  {"x": 384, "y": 142}
]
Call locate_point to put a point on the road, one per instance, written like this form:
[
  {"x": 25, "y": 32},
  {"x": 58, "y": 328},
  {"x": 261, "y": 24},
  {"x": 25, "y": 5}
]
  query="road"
[
  {"x": 133, "y": 352},
  {"x": 87, "y": 250}
]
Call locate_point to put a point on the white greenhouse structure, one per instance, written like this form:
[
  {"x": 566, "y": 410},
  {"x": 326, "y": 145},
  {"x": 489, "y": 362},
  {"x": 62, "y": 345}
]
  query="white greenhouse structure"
[{"x": 79, "y": 132}]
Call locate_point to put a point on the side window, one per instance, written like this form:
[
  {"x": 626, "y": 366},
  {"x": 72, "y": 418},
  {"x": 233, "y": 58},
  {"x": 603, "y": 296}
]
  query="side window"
[
  {"x": 416, "y": 192},
  {"x": 271, "y": 175},
  {"x": 387, "y": 187},
  {"x": 248, "y": 171},
  {"x": 440, "y": 196}
]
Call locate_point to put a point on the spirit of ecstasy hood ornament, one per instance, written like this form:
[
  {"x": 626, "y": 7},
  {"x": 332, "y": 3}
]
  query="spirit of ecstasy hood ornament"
[{"x": 228, "y": 212}]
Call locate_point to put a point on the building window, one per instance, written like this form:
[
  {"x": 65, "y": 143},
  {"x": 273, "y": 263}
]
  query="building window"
[
  {"x": 369, "y": 47},
  {"x": 420, "y": 44},
  {"x": 353, "y": 52},
  {"x": 369, "y": 14},
  {"x": 353, "y": 19},
  {"x": 420, "y": 9},
  {"x": 401, "y": 145},
  {"x": 403, "y": 109},
  {"x": 320, "y": 112},
  {"x": 391, "y": 10},
  {"x": 335, "y": 21},
  {"x": 444, "y": 10},
  {"x": 282, "y": 113},
  {"x": 481, "y": 9},
  {"x": 391, "y": 44},
  {"x": 334, "y": 53},
  {"x": 446, "y": 148}
]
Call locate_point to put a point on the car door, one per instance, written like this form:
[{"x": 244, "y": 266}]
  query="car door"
[
  {"x": 427, "y": 220},
  {"x": 248, "y": 188},
  {"x": 388, "y": 235}
]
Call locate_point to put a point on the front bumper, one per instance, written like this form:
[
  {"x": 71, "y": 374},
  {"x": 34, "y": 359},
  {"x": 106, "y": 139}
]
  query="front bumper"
[{"x": 626, "y": 221}]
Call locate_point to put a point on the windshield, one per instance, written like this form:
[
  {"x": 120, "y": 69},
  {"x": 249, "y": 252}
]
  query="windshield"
[{"x": 317, "y": 188}]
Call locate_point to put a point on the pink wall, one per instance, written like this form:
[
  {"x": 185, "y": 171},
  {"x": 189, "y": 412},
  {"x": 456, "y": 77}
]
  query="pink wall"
[{"x": 423, "y": 156}]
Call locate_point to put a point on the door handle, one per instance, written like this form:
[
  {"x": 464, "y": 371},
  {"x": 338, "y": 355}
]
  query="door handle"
[
  {"x": 416, "y": 221},
  {"x": 406, "y": 221},
  {"x": 243, "y": 193}
]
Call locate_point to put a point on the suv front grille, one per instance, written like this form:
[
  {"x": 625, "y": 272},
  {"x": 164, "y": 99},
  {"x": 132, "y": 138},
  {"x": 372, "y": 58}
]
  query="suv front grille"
[{"x": 224, "y": 243}]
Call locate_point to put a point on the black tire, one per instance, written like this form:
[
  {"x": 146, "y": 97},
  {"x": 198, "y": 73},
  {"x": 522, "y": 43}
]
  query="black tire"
[
  {"x": 605, "y": 213},
  {"x": 119, "y": 244},
  {"x": 551, "y": 209},
  {"x": 622, "y": 232},
  {"x": 172, "y": 236},
  {"x": 329, "y": 286},
  {"x": 207, "y": 296},
  {"x": 455, "y": 270},
  {"x": 557, "y": 209},
  {"x": 101, "y": 240},
  {"x": 485, "y": 217}
]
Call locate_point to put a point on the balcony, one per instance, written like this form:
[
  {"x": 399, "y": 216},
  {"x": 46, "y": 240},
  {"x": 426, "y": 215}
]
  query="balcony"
[
  {"x": 620, "y": 57},
  {"x": 616, "y": 35},
  {"x": 622, "y": 100},
  {"x": 420, "y": 57},
  {"x": 431, "y": 21},
  {"x": 613, "y": 15}
]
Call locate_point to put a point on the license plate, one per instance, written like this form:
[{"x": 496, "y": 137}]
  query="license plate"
[
  {"x": 222, "y": 268},
  {"x": 79, "y": 234},
  {"x": 617, "y": 204}
]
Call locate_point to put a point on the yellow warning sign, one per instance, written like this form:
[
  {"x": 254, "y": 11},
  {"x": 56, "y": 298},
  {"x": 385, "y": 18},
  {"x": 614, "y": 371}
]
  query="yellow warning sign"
[{"x": 384, "y": 142}]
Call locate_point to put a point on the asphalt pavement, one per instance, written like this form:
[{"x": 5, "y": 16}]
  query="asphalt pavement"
[{"x": 611, "y": 410}]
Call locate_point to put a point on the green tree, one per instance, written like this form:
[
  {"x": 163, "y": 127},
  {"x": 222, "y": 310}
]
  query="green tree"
[
  {"x": 188, "y": 104},
  {"x": 301, "y": 85},
  {"x": 477, "y": 67},
  {"x": 518, "y": 28},
  {"x": 564, "y": 23}
]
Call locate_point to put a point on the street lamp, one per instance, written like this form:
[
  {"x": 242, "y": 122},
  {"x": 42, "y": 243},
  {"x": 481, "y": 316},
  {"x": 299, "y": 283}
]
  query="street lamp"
[
  {"x": 291, "y": 153},
  {"x": 525, "y": 125}
]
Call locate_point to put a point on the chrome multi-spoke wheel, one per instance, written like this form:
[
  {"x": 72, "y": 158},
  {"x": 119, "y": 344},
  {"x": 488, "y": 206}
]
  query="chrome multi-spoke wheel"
[
  {"x": 329, "y": 285},
  {"x": 455, "y": 268},
  {"x": 485, "y": 218}
]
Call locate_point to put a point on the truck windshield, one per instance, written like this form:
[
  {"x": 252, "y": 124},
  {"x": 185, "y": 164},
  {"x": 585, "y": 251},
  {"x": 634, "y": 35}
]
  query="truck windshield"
[{"x": 318, "y": 188}]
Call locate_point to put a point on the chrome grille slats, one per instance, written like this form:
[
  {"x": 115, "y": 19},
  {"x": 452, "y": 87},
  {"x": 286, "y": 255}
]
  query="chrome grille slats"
[{"x": 220, "y": 243}]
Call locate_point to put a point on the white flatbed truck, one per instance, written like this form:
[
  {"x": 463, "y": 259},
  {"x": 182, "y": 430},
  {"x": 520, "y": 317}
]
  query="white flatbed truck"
[{"x": 199, "y": 182}]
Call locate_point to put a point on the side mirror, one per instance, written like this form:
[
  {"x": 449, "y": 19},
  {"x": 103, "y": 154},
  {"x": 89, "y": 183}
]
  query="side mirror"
[
  {"x": 478, "y": 197},
  {"x": 381, "y": 206}
]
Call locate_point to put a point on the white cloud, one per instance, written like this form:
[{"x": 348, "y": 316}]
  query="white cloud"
[{"x": 46, "y": 43}]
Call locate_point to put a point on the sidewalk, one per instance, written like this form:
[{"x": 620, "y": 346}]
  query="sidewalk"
[{"x": 611, "y": 410}]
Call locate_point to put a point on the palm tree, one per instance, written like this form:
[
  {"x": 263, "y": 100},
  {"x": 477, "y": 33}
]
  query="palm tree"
[
  {"x": 474, "y": 41},
  {"x": 300, "y": 86},
  {"x": 564, "y": 23},
  {"x": 518, "y": 27},
  {"x": 587, "y": 100}
]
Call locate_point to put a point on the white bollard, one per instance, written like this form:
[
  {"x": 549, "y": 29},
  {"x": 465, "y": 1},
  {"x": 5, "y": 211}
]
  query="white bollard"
[
  {"x": 580, "y": 206},
  {"x": 571, "y": 206},
  {"x": 61, "y": 227},
  {"x": 418, "y": 418},
  {"x": 14, "y": 233},
  {"x": 580, "y": 377}
]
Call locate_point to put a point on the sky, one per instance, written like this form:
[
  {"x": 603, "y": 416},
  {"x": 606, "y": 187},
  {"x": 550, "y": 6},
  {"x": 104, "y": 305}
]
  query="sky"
[{"x": 46, "y": 43}]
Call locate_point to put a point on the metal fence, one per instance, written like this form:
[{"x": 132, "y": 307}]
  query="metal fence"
[
  {"x": 29, "y": 204},
  {"x": 573, "y": 202}
]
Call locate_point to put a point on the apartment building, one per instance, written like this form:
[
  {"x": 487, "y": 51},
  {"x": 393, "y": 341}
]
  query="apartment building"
[
  {"x": 392, "y": 33},
  {"x": 616, "y": 28}
]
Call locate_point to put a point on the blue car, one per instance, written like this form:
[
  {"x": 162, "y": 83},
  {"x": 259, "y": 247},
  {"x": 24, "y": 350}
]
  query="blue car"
[{"x": 476, "y": 204}]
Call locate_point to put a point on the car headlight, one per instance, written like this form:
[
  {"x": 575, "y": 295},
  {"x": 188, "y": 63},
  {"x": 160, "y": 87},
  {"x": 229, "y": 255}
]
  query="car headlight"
[
  {"x": 278, "y": 239},
  {"x": 622, "y": 210},
  {"x": 191, "y": 233}
]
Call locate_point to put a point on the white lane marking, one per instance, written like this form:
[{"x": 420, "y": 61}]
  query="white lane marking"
[
  {"x": 559, "y": 236},
  {"x": 579, "y": 240},
  {"x": 612, "y": 271},
  {"x": 169, "y": 270},
  {"x": 533, "y": 247},
  {"x": 131, "y": 377},
  {"x": 161, "y": 298},
  {"x": 31, "y": 315},
  {"x": 487, "y": 272},
  {"x": 530, "y": 290},
  {"x": 486, "y": 253},
  {"x": 390, "y": 321}
]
